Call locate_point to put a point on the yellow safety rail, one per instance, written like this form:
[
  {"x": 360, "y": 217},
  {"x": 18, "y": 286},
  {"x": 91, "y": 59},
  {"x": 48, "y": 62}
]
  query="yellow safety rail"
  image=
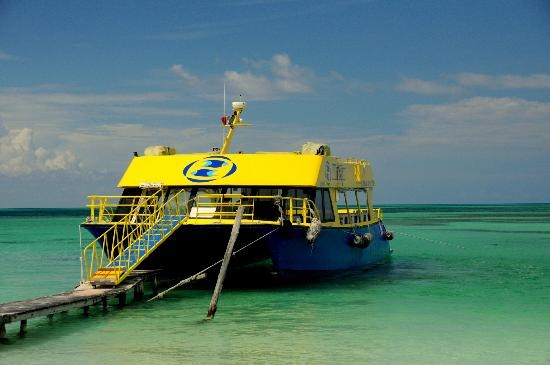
[
  {"x": 111, "y": 251},
  {"x": 103, "y": 209},
  {"x": 354, "y": 216},
  {"x": 119, "y": 250},
  {"x": 223, "y": 207}
]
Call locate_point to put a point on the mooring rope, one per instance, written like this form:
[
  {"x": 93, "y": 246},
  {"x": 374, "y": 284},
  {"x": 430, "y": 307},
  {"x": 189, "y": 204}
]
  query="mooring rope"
[{"x": 198, "y": 274}]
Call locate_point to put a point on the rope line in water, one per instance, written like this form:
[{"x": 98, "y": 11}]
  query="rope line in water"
[{"x": 431, "y": 240}]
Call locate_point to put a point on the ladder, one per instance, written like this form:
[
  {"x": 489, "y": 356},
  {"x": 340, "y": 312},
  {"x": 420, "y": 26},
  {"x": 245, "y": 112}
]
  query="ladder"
[{"x": 112, "y": 256}]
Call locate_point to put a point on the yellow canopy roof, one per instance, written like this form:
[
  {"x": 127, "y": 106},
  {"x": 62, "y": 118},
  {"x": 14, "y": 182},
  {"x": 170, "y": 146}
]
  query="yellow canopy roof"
[{"x": 258, "y": 169}]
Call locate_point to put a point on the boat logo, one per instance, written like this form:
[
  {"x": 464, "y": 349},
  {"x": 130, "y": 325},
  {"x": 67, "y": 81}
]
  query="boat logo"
[{"x": 209, "y": 169}]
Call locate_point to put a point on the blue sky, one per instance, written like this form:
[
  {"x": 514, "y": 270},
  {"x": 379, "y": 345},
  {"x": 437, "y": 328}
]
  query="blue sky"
[{"x": 450, "y": 100}]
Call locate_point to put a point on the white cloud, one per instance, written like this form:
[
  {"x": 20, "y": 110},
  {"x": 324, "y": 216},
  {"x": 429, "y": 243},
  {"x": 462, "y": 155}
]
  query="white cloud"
[
  {"x": 481, "y": 120},
  {"x": 185, "y": 75},
  {"x": 473, "y": 79},
  {"x": 4, "y": 56},
  {"x": 65, "y": 98},
  {"x": 461, "y": 82},
  {"x": 268, "y": 79},
  {"x": 534, "y": 81},
  {"x": 419, "y": 86},
  {"x": 43, "y": 108},
  {"x": 67, "y": 127},
  {"x": 271, "y": 79},
  {"x": 118, "y": 131},
  {"x": 255, "y": 87},
  {"x": 19, "y": 157},
  {"x": 289, "y": 77}
]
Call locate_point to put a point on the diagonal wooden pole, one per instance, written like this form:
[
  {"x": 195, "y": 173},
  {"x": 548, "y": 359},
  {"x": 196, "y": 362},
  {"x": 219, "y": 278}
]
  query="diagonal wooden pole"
[{"x": 223, "y": 269}]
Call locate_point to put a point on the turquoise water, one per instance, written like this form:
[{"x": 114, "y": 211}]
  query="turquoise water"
[{"x": 466, "y": 285}]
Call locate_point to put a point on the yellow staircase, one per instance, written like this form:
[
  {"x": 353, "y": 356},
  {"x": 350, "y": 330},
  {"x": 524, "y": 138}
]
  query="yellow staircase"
[{"x": 112, "y": 256}]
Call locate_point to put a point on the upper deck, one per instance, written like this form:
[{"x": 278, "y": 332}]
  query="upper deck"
[{"x": 254, "y": 169}]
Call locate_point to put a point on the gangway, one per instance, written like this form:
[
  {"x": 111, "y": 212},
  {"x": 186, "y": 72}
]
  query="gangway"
[{"x": 112, "y": 256}]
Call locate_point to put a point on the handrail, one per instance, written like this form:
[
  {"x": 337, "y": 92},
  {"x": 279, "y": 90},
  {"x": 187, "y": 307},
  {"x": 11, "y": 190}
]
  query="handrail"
[
  {"x": 172, "y": 208},
  {"x": 353, "y": 216},
  {"x": 113, "y": 249},
  {"x": 103, "y": 207},
  {"x": 220, "y": 207},
  {"x": 118, "y": 236}
]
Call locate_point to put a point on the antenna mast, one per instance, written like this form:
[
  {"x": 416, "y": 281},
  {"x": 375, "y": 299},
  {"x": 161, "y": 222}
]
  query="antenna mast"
[
  {"x": 224, "y": 115},
  {"x": 233, "y": 122}
]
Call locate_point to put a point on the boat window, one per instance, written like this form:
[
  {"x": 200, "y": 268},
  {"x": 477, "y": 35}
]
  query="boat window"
[
  {"x": 260, "y": 191},
  {"x": 233, "y": 190},
  {"x": 363, "y": 203},
  {"x": 263, "y": 208},
  {"x": 324, "y": 205},
  {"x": 362, "y": 198},
  {"x": 353, "y": 206},
  {"x": 345, "y": 201},
  {"x": 296, "y": 193}
]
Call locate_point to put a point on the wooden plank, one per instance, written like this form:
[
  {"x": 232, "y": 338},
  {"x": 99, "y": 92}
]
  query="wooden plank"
[
  {"x": 78, "y": 298},
  {"x": 81, "y": 297}
]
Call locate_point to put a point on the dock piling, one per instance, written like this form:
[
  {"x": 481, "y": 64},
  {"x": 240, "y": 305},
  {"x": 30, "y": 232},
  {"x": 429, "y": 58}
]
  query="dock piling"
[
  {"x": 23, "y": 327},
  {"x": 223, "y": 269},
  {"x": 121, "y": 299},
  {"x": 154, "y": 286},
  {"x": 138, "y": 291}
]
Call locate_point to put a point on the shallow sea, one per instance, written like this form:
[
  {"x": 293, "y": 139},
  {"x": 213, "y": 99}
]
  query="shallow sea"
[{"x": 467, "y": 284}]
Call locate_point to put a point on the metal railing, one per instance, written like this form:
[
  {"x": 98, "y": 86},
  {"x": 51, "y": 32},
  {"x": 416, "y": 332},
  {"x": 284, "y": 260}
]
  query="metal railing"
[
  {"x": 129, "y": 241},
  {"x": 112, "y": 208},
  {"x": 257, "y": 209},
  {"x": 113, "y": 247},
  {"x": 355, "y": 216}
]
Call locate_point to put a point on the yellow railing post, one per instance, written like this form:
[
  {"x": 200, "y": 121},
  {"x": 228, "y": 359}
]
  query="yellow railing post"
[{"x": 291, "y": 205}]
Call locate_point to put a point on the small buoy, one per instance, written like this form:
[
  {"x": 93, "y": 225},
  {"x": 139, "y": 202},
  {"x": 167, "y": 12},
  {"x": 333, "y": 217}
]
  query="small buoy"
[
  {"x": 388, "y": 235},
  {"x": 367, "y": 239}
]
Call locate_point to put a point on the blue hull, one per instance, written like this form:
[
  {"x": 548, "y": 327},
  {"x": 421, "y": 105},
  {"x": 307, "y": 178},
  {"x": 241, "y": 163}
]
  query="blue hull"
[{"x": 332, "y": 250}]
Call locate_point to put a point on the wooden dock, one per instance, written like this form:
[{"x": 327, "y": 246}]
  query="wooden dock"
[{"x": 83, "y": 296}]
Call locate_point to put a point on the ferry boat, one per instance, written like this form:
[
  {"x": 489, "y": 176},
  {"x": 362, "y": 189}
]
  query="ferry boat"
[{"x": 302, "y": 211}]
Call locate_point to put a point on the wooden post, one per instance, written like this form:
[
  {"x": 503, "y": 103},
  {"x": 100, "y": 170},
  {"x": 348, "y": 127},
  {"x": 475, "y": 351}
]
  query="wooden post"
[
  {"x": 2, "y": 330},
  {"x": 104, "y": 303},
  {"x": 223, "y": 269},
  {"x": 23, "y": 327},
  {"x": 86, "y": 310},
  {"x": 138, "y": 291},
  {"x": 155, "y": 286},
  {"x": 122, "y": 299}
]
